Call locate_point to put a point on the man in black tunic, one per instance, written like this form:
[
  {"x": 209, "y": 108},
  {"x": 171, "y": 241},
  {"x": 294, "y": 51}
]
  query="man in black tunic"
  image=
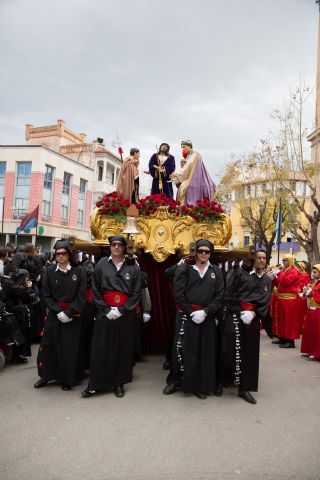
[
  {"x": 116, "y": 292},
  {"x": 247, "y": 297},
  {"x": 198, "y": 293},
  {"x": 64, "y": 289}
]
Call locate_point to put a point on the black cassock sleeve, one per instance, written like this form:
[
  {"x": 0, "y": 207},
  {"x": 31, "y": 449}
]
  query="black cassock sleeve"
[
  {"x": 47, "y": 294},
  {"x": 180, "y": 281},
  {"x": 217, "y": 298},
  {"x": 80, "y": 298},
  {"x": 97, "y": 290}
]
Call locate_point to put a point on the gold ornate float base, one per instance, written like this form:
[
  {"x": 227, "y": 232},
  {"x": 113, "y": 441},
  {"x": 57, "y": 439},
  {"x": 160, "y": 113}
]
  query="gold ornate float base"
[{"x": 163, "y": 234}]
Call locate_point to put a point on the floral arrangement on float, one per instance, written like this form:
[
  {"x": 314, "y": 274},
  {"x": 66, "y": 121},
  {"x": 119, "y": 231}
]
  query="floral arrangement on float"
[
  {"x": 113, "y": 205},
  {"x": 203, "y": 211},
  {"x": 149, "y": 205}
]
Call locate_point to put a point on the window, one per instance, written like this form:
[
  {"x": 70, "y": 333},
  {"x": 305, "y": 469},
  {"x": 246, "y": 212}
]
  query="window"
[
  {"x": 292, "y": 186},
  {"x": 246, "y": 240},
  {"x": 22, "y": 190},
  {"x": 2, "y": 178},
  {"x": 65, "y": 200},
  {"x": 23, "y": 173},
  {"x": 110, "y": 173},
  {"x": 47, "y": 192},
  {"x": 66, "y": 183},
  {"x": 80, "y": 218},
  {"x": 48, "y": 177},
  {"x": 46, "y": 208},
  {"x": 247, "y": 191},
  {"x": 81, "y": 202},
  {"x": 100, "y": 172},
  {"x": 64, "y": 213}
]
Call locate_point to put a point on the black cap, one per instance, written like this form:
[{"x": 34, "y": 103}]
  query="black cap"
[
  {"x": 63, "y": 244},
  {"x": 204, "y": 243},
  {"x": 118, "y": 238}
]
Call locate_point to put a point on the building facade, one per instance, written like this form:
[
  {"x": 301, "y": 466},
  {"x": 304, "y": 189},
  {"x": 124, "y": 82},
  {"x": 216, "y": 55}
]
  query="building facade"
[
  {"x": 63, "y": 174},
  {"x": 253, "y": 194}
]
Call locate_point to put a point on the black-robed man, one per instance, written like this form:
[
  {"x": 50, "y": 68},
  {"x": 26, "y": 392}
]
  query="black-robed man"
[
  {"x": 247, "y": 297},
  {"x": 64, "y": 290},
  {"x": 198, "y": 293},
  {"x": 116, "y": 292}
]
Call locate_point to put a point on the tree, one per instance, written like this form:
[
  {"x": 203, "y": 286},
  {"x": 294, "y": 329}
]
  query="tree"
[
  {"x": 280, "y": 162},
  {"x": 255, "y": 200}
]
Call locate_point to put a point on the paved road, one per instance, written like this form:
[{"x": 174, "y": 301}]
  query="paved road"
[{"x": 49, "y": 434}]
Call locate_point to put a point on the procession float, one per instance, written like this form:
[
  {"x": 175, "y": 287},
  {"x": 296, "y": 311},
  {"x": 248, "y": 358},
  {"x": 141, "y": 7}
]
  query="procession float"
[{"x": 159, "y": 231}]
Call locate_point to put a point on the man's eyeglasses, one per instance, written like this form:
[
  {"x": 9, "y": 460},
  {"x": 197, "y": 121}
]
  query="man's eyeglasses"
[
  {"x": 61, "y": 254},
  {"x": 204, "y": 252},
  {"x": 116, "y": 244}
]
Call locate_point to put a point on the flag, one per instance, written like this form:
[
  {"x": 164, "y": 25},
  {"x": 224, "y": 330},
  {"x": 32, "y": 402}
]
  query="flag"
[
  {"x": 278, "y": 237},
  {"x": 29, "y": 221}
]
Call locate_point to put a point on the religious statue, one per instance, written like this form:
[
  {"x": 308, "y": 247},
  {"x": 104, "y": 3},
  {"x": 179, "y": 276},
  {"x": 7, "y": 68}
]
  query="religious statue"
[
  {"x": 192, "y": 180},
  {"x": 161, "y": 166},
  {"x": 128, "y": 179}
]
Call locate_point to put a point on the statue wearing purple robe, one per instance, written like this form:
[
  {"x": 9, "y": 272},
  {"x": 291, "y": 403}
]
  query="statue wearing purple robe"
[
  {"x": 193, "y": 180},
  {"x": 161, "y": 166}
]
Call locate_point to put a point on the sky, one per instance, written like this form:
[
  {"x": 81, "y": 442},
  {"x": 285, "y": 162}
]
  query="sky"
[{"x": 147, "y": 72}]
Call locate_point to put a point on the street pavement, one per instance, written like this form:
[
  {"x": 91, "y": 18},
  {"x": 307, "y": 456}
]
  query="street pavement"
[{"x": 50, "y": 434}]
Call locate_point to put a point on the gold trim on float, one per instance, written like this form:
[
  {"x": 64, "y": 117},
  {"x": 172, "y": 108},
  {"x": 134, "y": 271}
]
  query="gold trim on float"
[{"x": 163, "y": 234}]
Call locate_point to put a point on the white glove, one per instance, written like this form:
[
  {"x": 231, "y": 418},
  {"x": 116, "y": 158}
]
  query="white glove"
[
  {"x": 113, "y": 314},
  {"x": 198, "y": 316},
  {"x": 216, "y": 321},
  {"x": 247, "y": 316},
  {"x": 64, "y": 318},
  {"x": 146, "y": 317},
  {"x": 307, "y": 291}
]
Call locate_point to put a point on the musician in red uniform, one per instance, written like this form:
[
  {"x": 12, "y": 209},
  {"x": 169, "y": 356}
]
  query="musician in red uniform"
[
  {"x": 116, "y": 286},
  {"x": 287, "y": 282},
  {"x": 304, "y": 281},
  {"x": 310, "y": 344},
  {"x": 64, "y": 290}
]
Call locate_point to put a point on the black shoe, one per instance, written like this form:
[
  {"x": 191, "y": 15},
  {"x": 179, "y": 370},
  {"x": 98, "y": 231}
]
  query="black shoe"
[
  {"x": 87, "y": 393},
  {"x": 21, "y": 359},
  {"x": 169, "y": 389},
  {"x": 65, "y": 386},
  {"x": 119, "y": 391},
  {"x": 287, "y": 344},
  {"x": 277, "y": 341},
  {"x": 219, "y": 390},
  {"x": 166, "y": 365},
  {"x": 40, "y": 383},
  {"x": 247, "y": 396},
  {"x": 201, "y": 395}
]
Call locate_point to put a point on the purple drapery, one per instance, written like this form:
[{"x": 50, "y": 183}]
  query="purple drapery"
[
  {"x": 201, "y": 185},
  {"x": 163, "y": 306}
]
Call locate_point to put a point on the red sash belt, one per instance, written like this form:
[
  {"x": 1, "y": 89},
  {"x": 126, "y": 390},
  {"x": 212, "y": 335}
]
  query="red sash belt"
[
  {"x": 114, "y": 299},
  {"x": 248, "y": 306},
  {"x": 194, "y": 308},
  {"x": 89, "y": 294},
  {"x": 65, "y": 306}
]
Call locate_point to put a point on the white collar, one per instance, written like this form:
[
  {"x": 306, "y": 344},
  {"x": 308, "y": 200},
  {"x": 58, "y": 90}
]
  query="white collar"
[
  {"x": 64, "y": 271},
  {"x": 202, "y": 274},
  {"x": 117, "y": 265},
  {"x": 260, "y": 274}
]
